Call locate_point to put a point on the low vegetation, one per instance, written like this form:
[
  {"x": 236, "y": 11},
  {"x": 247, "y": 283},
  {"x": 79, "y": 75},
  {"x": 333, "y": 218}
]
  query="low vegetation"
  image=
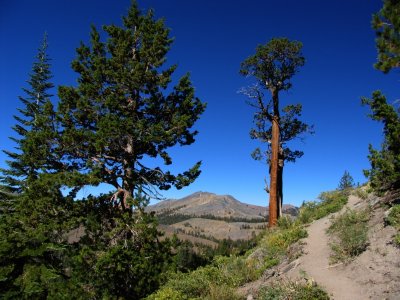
[
  {"x": 350, "y": 235},
  {"x": 293, "y": 291},
  {"x": 393, "y": 219},
  {"x": 330, "y": 202},
  {"x": 361, "y": 193},
  {"x": 219, "y": 279}
]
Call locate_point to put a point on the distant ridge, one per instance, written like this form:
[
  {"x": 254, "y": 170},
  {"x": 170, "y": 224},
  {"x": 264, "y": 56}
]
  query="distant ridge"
[{"x": 222, "y": 206}]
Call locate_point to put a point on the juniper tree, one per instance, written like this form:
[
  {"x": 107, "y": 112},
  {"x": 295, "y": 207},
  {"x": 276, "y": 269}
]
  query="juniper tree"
[
  {"x": 272, "y": 66},
  {"x": 384, "y": 174},
  {"x": 291, "y": 127}
]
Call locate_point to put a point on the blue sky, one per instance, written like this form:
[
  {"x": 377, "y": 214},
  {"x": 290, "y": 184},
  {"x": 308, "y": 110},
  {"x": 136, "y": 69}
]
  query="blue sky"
[{"x": 212, "y": 38}]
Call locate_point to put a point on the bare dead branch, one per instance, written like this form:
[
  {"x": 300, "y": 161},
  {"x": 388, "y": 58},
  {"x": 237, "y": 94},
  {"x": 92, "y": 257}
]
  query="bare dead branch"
[{"x": 266, "y": 185}]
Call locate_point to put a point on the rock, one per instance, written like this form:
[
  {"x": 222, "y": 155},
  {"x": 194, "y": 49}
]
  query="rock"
[
  {"x": 386, "y": 216},
  {"x": 290, "y": 266},
  {"x": 257, "y": 258}
]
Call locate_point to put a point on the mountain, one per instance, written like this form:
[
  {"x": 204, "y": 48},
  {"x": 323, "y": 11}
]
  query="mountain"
[
  {"x": 202, "y": 204},
  {"x": 205, "y": 218}
]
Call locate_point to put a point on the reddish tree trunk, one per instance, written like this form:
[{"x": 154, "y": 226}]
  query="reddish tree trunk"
[
  {"x": 280, "y": 181},
  {"x": 273, "y": 193}
]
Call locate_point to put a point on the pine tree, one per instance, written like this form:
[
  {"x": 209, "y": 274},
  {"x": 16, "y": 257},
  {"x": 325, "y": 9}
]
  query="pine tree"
[
  {"x": 387, "y": 25},
  {"x": 119, "y": 254},
  {"x": 273, "y": 66},
  {"x": 33, "y": 212},
  {"x": 119, "y": 116},
  {"x": 122, "y": 114},
  {"x": 35, "y": 127},
  {"x": 384, "y": 174},
  {"x": 346, "y": 181}
]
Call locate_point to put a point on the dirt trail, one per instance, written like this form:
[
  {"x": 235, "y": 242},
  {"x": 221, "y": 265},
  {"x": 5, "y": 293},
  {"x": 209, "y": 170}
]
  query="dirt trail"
[
  {"x": 315, "y": 263},
  {"x": 374, "y": 274}
]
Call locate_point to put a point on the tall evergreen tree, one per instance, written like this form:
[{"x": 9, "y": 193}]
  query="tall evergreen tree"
[
  {"x": 33, "y": 212},
  {"x": 35, "y": 127},
  {"x": 384, "y": 174},
  {"x": 273, "y": 65},
  {"x": 122, "y": 114}
]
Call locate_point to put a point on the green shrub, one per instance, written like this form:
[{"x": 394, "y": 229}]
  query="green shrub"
[
  {"x": 350, "y": 235},
  {"x": 206, "y": 282},
  {"x": 394, "y": 220},
  {"x": 167, "y": 294},
  {"x": 194, "y": 284},
  {"x": 222, "y": 292},
  {"x": 277, "y": 241},
  {"x": 394, "y": 217},
  {"x": 330, "y": 202},
  {"x": 292, "y": 291},
  {"x": 285, "y": 222},
  {"x": 361, "y": 193},
  {"x": 397, "y": 239},
  {"x": 235, "y": 271}
]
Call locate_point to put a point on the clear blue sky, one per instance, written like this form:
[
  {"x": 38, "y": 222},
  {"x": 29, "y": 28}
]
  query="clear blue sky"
[{"x": 212, "y": 38}]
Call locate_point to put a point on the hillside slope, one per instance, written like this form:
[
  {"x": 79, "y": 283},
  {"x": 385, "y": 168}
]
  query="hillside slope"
[{"x": 374, "y": 274}]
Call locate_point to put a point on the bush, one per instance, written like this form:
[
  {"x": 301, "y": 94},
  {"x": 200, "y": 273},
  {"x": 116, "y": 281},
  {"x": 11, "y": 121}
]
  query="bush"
[
  {"x": 330, "y": 202},
  {"x": 167, "y": 294},
  {"x": 361, "y": 193},
  {"x": 222, "y": 292},
  {"x": 235, "y": 271},
  {"x": 393, "y": 219},
  {"x": 350, "y": 232},
  {"x": 277, "y": 242},
  {"x": 285, "y": 222},
  {"x": 215, "y": 281},
  {"x": 194, "y": 284},
  {"x": 293, "y": 291}
]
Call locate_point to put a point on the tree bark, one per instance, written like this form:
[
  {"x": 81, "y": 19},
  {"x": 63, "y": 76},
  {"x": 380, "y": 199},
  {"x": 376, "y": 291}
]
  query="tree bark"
[
  {"x": 281, "y": 161},
  {"x": 273, "y": 193},
  {"x": 275, "y": 143},
  {"x": 280, "y": 191}
]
